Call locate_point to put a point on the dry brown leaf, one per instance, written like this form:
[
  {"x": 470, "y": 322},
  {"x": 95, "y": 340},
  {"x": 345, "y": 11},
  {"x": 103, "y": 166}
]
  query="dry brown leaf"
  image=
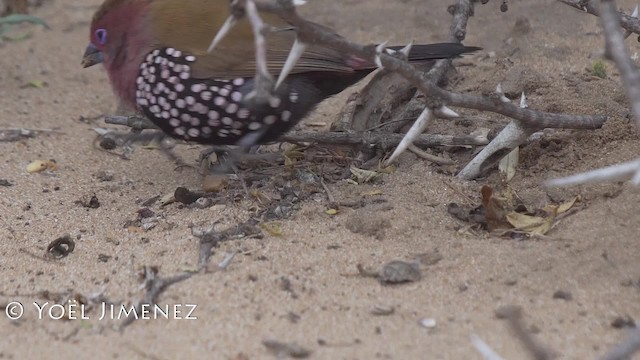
[
  {"x": 508, "y": 164},
  {"x": 564, "y": 207},
  {"x": 495, "y": 209},
  {"x": 371, "y": 193},
  {"x": 362, "y": 176},
  {"x": 531, "y": 224},
  {"x": 274, "y": 228}
]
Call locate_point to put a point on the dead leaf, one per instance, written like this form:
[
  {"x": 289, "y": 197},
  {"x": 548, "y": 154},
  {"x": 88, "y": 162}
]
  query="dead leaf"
[
  {"x": 386, "y": 169},
  {"x": 494, "y": 209},
  {"x": 260, "y": 196},
  {"x": 214, "y": 183},
  {"x": 509, "y": 163},
  {"x": 371, "y": 193},
  {"x": 331, "y": 211},
  {"x": 38, "y": 84},
  {"x": 564, "y": 207},
  {"x": 362, "y": 176},
  {"x": 531, "y": 224},
  {"x": 274, "y": 228}
]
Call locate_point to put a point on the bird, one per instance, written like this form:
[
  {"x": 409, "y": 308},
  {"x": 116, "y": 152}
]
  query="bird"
[{"x": 156, "y": 54}]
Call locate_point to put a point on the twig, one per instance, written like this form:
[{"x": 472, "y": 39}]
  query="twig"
[
  {"x": 155, "y": 286},
  {"x": 627, "y": 22},
  {"x": 15, "y": 134},
  {"x": 628, "y": 347},
  {"x": 332, "y": 201},
  {"x": 513, "y": 315},
  {"x": 511, "y": 136},
  {"x": 433, "y": 158},
  {"x": 224, "y": 264},
  {"x": 286, "y": 10},
  {"x": 385, "y": 140},
  {"x": 262, "y": 91},
  {"x": 623, "y": 171},
  {"x": 484, "y": 349},
  {"x": 435, "y": 97},
  {"x": 38, "y": 257},
  {"x": 619, "y": 53}
]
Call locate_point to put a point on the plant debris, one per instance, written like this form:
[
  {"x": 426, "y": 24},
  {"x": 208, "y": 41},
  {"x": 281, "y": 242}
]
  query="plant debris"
[
  {"x": 60, "y": 247},
  {"x": 89, "y": 202},
  {"x": 282, "y": 349},
  {"x": 505, "y": 212}
]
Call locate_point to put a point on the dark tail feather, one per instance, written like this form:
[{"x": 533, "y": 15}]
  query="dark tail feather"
[{"x": 437, "y": 51}]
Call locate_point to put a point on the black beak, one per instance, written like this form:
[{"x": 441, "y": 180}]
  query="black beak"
[{"x": 91, "y": 56}]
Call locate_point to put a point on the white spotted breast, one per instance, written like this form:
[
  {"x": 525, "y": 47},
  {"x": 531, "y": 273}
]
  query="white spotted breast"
[{"x": 207, "y": 111}]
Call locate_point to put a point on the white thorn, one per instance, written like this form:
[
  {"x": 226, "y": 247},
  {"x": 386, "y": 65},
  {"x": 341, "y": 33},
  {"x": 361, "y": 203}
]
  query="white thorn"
[
  {"x": 224, "y": 30},
  {"x": 447, "y": 112},
  {"x": 379, "y": 49},
  {"x": 407, "y": 49},
  {"x": 296, "y": 52},
  {"x": 416, "y": 129},
  {"x": 501, "y": 94},
  {"x": 622, "y": 171},
  {"x": 484, "y": 349},
  {"x": 224, "y": 264},
  {"x": 635, "y": 180},
  {"x": 299, "y": 2},
  {"x": 523, "y": 101},
  {"x": 635, "y": 12}
]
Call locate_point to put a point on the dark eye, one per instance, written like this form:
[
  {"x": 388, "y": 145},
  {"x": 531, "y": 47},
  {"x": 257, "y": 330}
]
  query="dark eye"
[{"x": 101, "y": 35}]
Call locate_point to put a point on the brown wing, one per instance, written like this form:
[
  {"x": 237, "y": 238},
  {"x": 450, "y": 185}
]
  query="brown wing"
[{"x": 190, "y": 25}]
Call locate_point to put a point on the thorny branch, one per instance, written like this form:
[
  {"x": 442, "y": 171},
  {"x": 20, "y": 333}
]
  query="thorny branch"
[
  {"x": 629, "y": 23},
  {"x": 612, "y": 20},
  {"x": 384, "y": 140},
  {"x": 154, "y": 286},
  {"x": 619, "y": 53},
  {"x": 437, "y": 98}
]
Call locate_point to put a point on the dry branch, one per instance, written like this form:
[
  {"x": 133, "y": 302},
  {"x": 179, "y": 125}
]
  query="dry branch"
[
  {"x": 627, "y": 22},
  {"x": 436, "y": 98},
  {"x": 384, "y": 140},
  {"x": 611, "y": 21}
]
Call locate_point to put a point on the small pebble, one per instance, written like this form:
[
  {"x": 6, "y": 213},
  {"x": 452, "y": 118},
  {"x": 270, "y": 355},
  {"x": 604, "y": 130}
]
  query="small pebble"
[
  {"x": 380, "y": 310},
  {"x": 397, "y": 271},
  {"x": 37, "y": 166},
  {"x": 203, "y": 203},
  {"x": 428, "y": 323},
  {"x": 563, "y": 295},
  {"x": 508, "y": 311},
  {"x": 623, "y": 322}
]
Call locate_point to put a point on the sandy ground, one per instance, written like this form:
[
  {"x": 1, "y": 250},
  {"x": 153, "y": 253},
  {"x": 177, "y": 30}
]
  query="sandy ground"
[{"x": 303, "y": 286}]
